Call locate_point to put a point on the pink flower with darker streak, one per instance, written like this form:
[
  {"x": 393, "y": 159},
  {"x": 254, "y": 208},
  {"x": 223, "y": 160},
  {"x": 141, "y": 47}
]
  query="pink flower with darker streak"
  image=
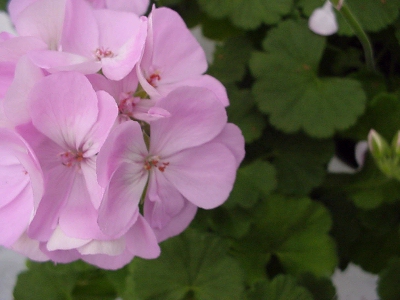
[
  {"x": 173, "y": 58},
  {"x": 190, "y": 162},
  {"x": 70, "y": 122}
]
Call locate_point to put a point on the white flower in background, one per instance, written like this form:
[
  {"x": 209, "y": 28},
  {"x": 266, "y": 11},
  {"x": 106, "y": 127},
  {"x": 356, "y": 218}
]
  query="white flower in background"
[{"x": 323, "y": 20}]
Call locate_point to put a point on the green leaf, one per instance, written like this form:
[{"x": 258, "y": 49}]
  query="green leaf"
[
  {"x": 247, "y": 14},
  {"x": 230, "y": 59},
  {"x": 77, "y": 280},
  {"x": 381, "y": 115},
  {"x": 290, "y": 92},
  {"x": 280, "y": 288},
  {"x": 372, "y": 15},
  {"x": 3, "y": 5},
  {"x": 191, "y": 266},
  {"x": 219, "y": 29},
  {"x": 300, "y": 162},
  {"x": 308, "y": 6},
  {"x": 296, "y": 231},
  {"x": 233, "y": 222},
  {"x": 45, "y": 281},
  {"x": 321, "y": 288},
  {"x": 243, "y": 113},
  {"x": 372, "y": 250},
  {"x": 369, "y": 188},
  {"x": 389, "y": 281},
  {"x": 253, "y": 181}
]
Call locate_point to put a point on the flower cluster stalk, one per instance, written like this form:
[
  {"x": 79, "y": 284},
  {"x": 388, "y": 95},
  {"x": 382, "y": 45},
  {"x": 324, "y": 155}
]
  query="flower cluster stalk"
[{"x": 358, "y": 30}]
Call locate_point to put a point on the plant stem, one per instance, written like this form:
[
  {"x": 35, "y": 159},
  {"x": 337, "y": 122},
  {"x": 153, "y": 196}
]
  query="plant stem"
[{"x": 360, "y": 33}]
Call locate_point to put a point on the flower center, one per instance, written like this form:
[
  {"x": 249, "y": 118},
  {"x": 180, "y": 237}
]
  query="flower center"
[
  {"x": 154, "y": 79},
  {"x": 155, "y": 161},
  {"x": 71, "y": 158},
  {"x": 103, "y": 53},
  {"x": 127, "y": 104}
]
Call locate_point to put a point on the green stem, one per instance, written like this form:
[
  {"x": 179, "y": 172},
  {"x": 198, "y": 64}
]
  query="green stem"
[{"x": 362, "y": 36}]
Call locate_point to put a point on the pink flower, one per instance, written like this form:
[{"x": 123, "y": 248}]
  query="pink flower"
[
  {"x": 138, "y": 7},
  {"x": 97, "y": 46},
  {"x": 70, "y": 123},
  {"x": 172, "y": 58},
  {"x": 191, "y": 162},
  {"x": 127, "y": 97},
  {"x": 21, "y": 186}
]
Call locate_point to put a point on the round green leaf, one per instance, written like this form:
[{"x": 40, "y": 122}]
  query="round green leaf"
[
  {"x": 389, "y": 281},
  {"x": 280, "y": 288},
  {"x": 296, "y": 231},
  {"x": 290, "y": 92},
  {"x": 192, "y": 264},
  {"x": 372, "y": 15},
  {"x": 248, "y": 14},
  {"x": 252, "y": 182}
]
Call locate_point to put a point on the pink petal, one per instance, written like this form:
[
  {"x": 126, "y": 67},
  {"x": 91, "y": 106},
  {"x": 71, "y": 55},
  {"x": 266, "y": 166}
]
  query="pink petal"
[
  {"x": 80, "y": 19},
  {"x": 174, "y": 48},
  {"x": 12, "y": 49},
  {"x": 16, "y": 102},
  {"x": 64, "y": 107},
  {"x": 232, "y": 138},
  {"x": 126, "y": 46},
  {"x": 204, "y": 175},
  {"x": 60, "y": 241},
  {"x": 163, "y": 201},
  {"x": 178, "y": 223},
  {"x": 107, "y": 115},
  {"x": 141, "y": 240},
  {"x": 120, "y": 205},
  {"x": 45, "y": 221},
  {"x": 54, "y": 61},
  {"x": 78, "y": 217},
  {"x": 29, "y": 248},
  {"x": 60, "y": 256},
  {"x": 15, "y": 7},
  {"x": 15, "y": 217},
  {"x": 7, "y": 70},
  {"x": 197, "y": 117},
  {"x": 111, "y": 247},
  {"x": 124, "y": 144},
  {"x": 43, "y": 19},
  {"x": 109, "y": 262},
  {"x": 152, "y": 114},
  {"x": 205, "y": 81},
  {"x": 88, "y": 168},
  {"x": 138, "y": 7},
  {"x": 21, "y": 183}
]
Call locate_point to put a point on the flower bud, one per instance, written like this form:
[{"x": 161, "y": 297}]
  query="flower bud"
[
  {"x": 396, "y": 144},
  {"x": 378, "y": 145}
]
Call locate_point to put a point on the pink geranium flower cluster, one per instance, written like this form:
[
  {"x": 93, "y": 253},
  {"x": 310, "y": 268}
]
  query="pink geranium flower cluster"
[{"x": 111, "y": 136}]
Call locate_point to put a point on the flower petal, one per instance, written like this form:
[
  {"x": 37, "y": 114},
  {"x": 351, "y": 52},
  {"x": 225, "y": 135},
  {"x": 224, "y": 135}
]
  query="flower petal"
[
  {"x": 119, "y": 207},
  {"x": 64, "y": 107},
  {"x": 323, "y": 20},
  {"x": 204, "y": 175},
  {"x": 178, "y": 223},
  {"x": 141, "y": 240},
  {"x": 197, "y": 117},
  {"x": 124, "y": 144}
]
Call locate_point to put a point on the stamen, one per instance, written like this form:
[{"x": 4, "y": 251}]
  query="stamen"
[
  {"x": 154, "y": 161},
  {"x": 70, "y": 158},
  {"x": 103, "y": 53},
  {"x": 154, "y": 78}
]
